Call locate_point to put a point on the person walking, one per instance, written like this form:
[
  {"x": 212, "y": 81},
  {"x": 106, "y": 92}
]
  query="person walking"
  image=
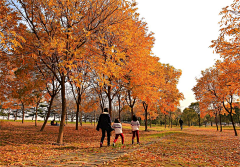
[
  {"x": 117, "y": 126},
  {"x": 104, "y": 123},
  {"x": 135, "y": 129},
  {"x": 181, "y": 123}
]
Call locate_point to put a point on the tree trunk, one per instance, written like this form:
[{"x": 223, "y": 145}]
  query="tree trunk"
[
  {"x": 150, "y": 121},
  {"x": 91, "y": 119},
  {"x": 61, "y": 128},
  {"x": 231, "y": 117},
  {"x": 220, "y": 119},
  {"x": 235, "y": 131},
  {"x": 165, "y": 121},
  {"x": 77, "y": 113},
  {"x": 239, "y": 118},
  {"x": 81, "y": 118},
  {"x": 36, "y": 114},
  {"x": 8, "y": 116},
  {"x": 109, "y": 101},
  {"x": 199, "y": 120},
  {"x": 145, "y": 119},
  {"x": 145, "y": 106},
  {"x": 216, "y": 122},
  {"x": 94, "y": 117},
  {"x": 48, "y": 113},
  {"x": 119, "y": 108},
  {"x": 131, "y": 111},
  {"x": 171, "y": 122},
  {"x": 23, "y": 113}
]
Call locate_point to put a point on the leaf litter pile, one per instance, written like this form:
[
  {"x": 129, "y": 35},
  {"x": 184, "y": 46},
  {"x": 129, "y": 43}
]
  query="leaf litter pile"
[{"x": 24, "y": 145}]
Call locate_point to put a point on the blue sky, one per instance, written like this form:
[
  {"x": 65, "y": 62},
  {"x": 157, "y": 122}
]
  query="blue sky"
[{"x": 184, "y": 31}]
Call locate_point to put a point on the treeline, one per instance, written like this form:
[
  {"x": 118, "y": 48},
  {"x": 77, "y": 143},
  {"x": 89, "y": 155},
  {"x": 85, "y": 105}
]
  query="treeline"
[
  {"x": 193, "y": 116},
  {"x": 89, "y": 54}
]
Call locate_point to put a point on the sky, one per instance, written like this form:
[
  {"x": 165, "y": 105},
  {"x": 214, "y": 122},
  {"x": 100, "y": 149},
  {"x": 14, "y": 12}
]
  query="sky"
[{"x": 183, "y": 33}]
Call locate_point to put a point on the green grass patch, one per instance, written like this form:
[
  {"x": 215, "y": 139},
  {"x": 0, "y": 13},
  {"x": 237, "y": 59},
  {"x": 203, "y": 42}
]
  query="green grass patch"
[{"x": 162, "y": 134}]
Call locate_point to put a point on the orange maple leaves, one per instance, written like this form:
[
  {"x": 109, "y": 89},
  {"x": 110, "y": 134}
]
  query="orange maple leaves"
[
  {"x": 219, "y": 87},
  {"x": 90, "y": 44}
]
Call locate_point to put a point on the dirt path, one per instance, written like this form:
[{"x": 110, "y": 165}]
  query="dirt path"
[{"x": 96, "y": 156}]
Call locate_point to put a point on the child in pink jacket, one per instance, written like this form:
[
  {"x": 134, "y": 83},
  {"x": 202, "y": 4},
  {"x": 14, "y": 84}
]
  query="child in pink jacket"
[{"x": 117, "y": 126}]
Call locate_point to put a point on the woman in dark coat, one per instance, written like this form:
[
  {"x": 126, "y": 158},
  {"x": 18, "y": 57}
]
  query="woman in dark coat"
[{"x": 104, "y": 123}]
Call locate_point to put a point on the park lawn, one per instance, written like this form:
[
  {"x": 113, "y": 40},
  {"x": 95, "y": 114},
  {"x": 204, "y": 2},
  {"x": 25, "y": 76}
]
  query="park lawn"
[
  {"x": 191, "y": 147},
  {"x": 23, "y": 144}
]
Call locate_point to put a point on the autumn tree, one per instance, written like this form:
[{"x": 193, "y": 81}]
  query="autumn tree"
[
  {"x": 177, "y": 115},
  {"x": 217, "y": 87},
  {"x": 58, "y": 31},
  {"x": 207, "y": 92},
  {"x": 79, "y": 81},
  {"x": 171, "y": 96},
  {"x": 120, "y": 103},
  {"x": 195, "y": 107},
  {"x": 227, "y": 45},
  {"x": 138, "y": 62},
  {"x": 228, "y": 86},
  {"x": 53, "y": 88},
  {"x": 189, "y": 116}
]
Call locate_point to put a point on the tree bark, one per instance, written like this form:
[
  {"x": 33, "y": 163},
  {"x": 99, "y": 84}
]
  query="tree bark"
[
  {"x": 23, "y": 113},
  {"x": 235, "y": 131},
  {"x": 145, "y": 120},
  {"x": 230, "y": 113},
  {"x": 48, "y": 113},
  {"x": 63, "y": 116},
  {"x": 109, "y": 101},
  {"x": 77, "y": 116},
  {"x": 145, "y": 106},
  {"x": 81, "y": 118},
  {"x": 169, "y": 120},
  {"x": 119, "y": 108},
  {"x": 216, "y": 121},
  {"x": 36, "y": 113},
  {"x": 131, "y": 111},
  {"x": 199, "y": 119},
  {"x": 94, "y": 117},
  {"x": 220, "y": 119},
  {"x": 165, "y": 121}
]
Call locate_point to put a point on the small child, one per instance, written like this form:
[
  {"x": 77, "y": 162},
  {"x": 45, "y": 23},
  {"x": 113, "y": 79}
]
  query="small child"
[
  {"x": 117, "y": 126},
  {"x": 135, "y": 128}
]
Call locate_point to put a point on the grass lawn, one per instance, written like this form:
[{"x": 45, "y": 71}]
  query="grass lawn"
[{"x": 24, "y": 145}]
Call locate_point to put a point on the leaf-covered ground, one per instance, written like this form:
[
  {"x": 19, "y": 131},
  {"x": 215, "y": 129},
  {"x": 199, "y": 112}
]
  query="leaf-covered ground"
[
  {"x": 24, "y": 145},
  {"x": 192, "y": 147}
]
